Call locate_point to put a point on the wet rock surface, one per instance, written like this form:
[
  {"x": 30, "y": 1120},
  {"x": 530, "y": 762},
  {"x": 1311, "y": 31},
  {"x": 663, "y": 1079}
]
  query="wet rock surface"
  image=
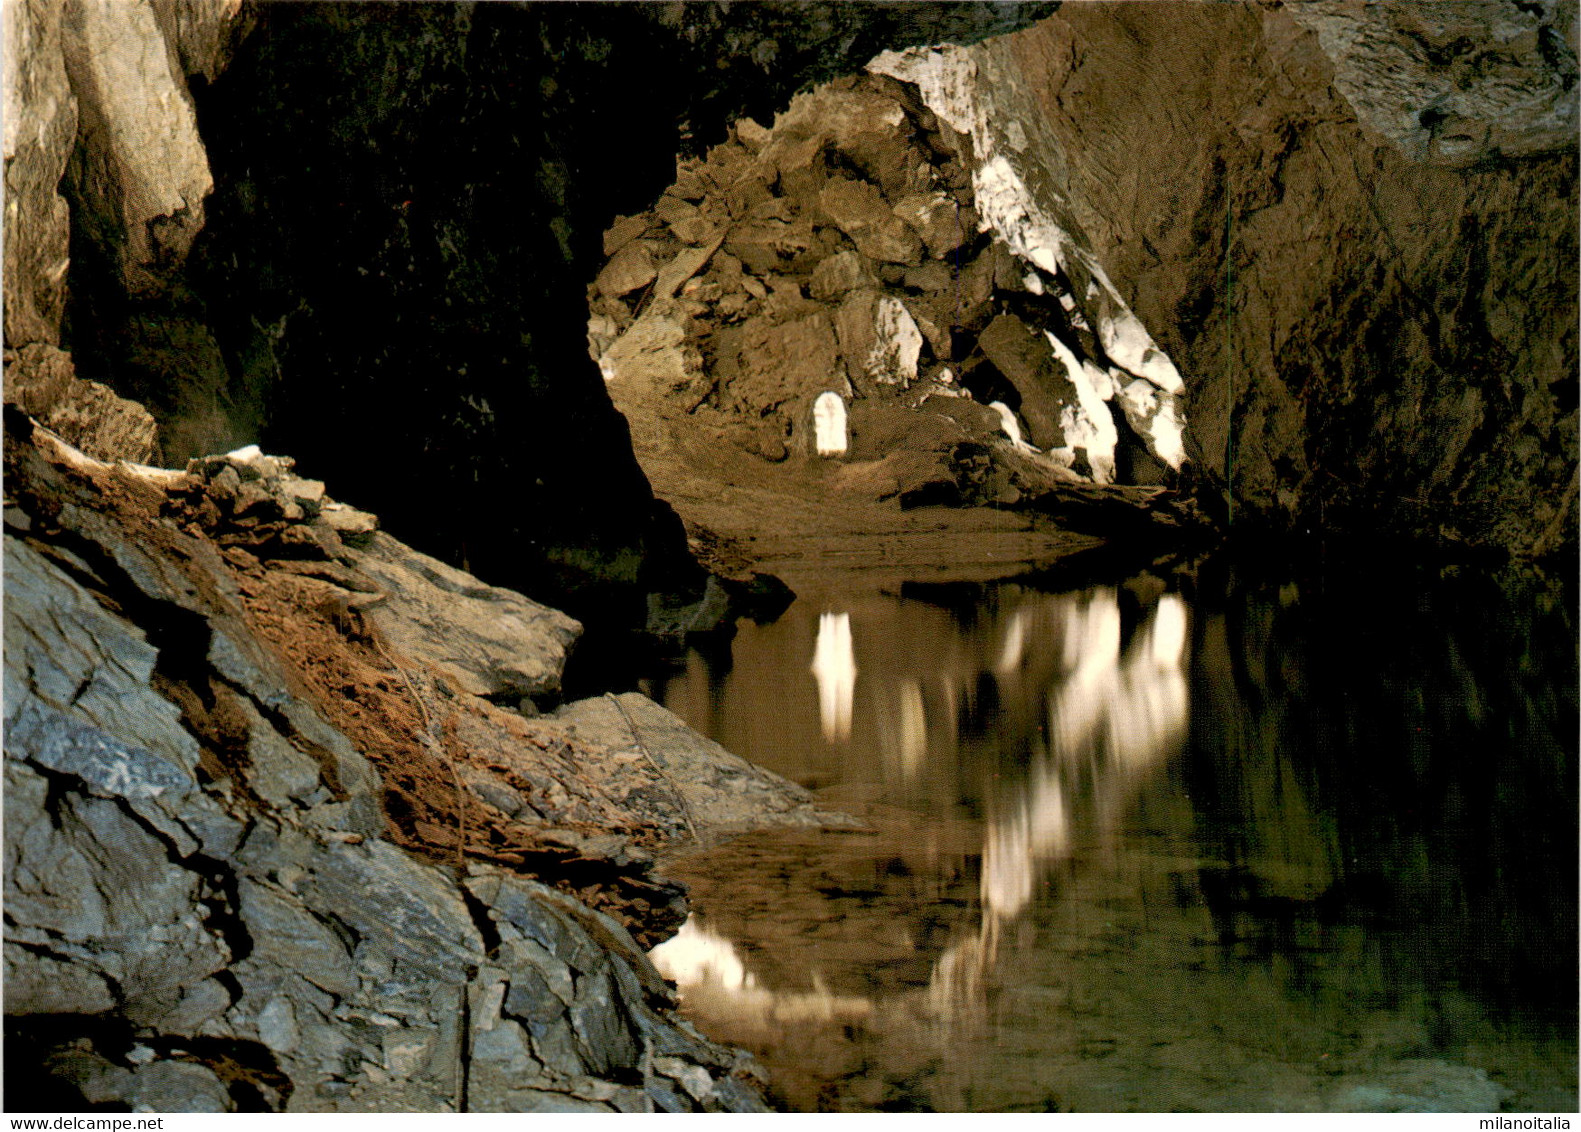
[{"x": 260, "y": 856}]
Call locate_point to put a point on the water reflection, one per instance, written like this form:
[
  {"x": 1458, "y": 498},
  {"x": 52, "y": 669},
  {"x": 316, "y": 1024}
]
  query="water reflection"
[
  {"x": 1180, "y": 827},
  {"x": 705, "y": 966},
  {"x": 834, "y": 667},
  {"x": 1110, "y": 719},
  {"x": 1114, "y": 711}
]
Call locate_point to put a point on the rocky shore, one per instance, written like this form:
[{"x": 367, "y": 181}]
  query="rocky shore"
[{"x": 293, "y": 819}]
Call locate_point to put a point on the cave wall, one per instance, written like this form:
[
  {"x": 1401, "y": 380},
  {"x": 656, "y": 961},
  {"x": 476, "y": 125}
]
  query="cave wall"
[
  {"x": 390, "y": 283},
  {"x": 1354, "y": 229},
  {"x": 98, "y": 112}
]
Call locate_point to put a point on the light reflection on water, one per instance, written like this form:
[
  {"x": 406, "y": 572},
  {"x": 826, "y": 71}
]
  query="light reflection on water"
[
  {"x": 834, "y": 667},
  {"x": 1136, "y": 850}
]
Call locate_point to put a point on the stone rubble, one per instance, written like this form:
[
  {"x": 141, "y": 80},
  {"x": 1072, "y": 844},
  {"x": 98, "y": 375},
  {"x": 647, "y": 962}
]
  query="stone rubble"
[
  {"x": 273, "y": 842},
  {"x": 857, "y": 257},
  {"x": 42, "y": 380}
]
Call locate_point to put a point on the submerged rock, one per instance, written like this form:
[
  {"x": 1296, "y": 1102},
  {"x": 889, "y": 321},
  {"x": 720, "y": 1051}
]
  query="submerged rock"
[{"x": 713, "y": 792}]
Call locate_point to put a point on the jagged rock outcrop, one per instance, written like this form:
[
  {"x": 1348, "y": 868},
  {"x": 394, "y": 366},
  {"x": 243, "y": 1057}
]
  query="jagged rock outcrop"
[
  {"x": 269, "y": 842},
  {"x": 96, "y": 101},
  {"x": 139, "y": 174},
  {"x": 1374, "y": 372},
  {"x": 1351, "y": 226},
  {"x": 40, "y": 126},
  {"x": 41, "y": 379}
]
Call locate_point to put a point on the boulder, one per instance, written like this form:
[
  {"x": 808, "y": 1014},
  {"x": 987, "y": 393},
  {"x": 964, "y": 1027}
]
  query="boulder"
[
  {"x": 837, "y": 274},
  {"x": 718, "y": 794},
  {"x": 144, "y": 175},
  {"x": 275, "y": 947},
  {"x": 43, "y": 382},
  {"x": 485, "y": 640},
  {"x": 1024, "y": 358},
  {"x": 630, "y": 268},
  {"x": 941, "y": 221},
  {"x": 878, "y": 338},
  {"x": 859, "y": 210},
  {"x": 785, "y": 362}
]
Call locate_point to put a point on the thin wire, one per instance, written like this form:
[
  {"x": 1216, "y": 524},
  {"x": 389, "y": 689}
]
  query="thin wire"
[
  {"x": 1229, "y": 371},
  {"x": 680, "y": 798}
]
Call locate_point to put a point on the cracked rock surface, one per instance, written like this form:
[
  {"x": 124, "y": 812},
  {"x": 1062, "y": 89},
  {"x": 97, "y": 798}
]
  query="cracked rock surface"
[{"x": 270, "y": 846}]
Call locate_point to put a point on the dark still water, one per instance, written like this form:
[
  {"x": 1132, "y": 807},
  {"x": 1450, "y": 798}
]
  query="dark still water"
[{"x": 1212, "y": 843}]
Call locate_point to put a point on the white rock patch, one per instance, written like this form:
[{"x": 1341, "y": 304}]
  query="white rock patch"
[
  {"x": 1011, "y": 427},
  {"x": 1151, "y": 412},
  {"x": 1088, "y": 424},
  {"x": 897, "y": 344},
  {"x": 829, "y": 424},
  {"x": 947, "y": 80}
]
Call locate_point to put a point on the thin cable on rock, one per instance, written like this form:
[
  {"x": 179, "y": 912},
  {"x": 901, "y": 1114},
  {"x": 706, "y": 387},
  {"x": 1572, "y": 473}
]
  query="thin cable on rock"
[
  {"x": 680, "y": 798},
  {"x": 434, "y": 745}
]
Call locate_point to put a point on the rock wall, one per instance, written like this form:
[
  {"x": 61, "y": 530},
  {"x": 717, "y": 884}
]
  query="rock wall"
[
  {"x": 97, "y": 105},
  {"x": 274, "y": 841},
  {"x": 1353, "y": 227}
]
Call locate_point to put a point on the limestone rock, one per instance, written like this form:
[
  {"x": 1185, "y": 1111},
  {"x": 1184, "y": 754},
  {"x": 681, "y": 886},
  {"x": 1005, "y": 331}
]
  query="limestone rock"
[
  {"x": 177, "y": 1086},
  {"x": 40, "y": 127},
  {"x": 203, "y": 32},
  {"x": 143, "y": 176},
  {"x": 653, "y": 352},
  {"x": 630, "y": 268},
  {"x": 842, "y": 272},
  {"x": 765, "y": 244},
  {"x": 272, "y": 948},
  {"x": 785, "y": 362},
  {"x": 42, "y": 380},
  {"x": 1421, "y": 1085},
  {"x": 686, "y": 263},
  {"x": 878, "y": 338},
  {"x": 1454, "y": 85},
  {"x": 487, "y": 641},
  {"x": 1380, "y": 121},
  {"x": 941, "y": 221},
  {"x": 720, "y": 793},
  {"x": 1025, "y": 359},
  {"x": 624, "y": 230},
  {"x": 866, "y": 127}
]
